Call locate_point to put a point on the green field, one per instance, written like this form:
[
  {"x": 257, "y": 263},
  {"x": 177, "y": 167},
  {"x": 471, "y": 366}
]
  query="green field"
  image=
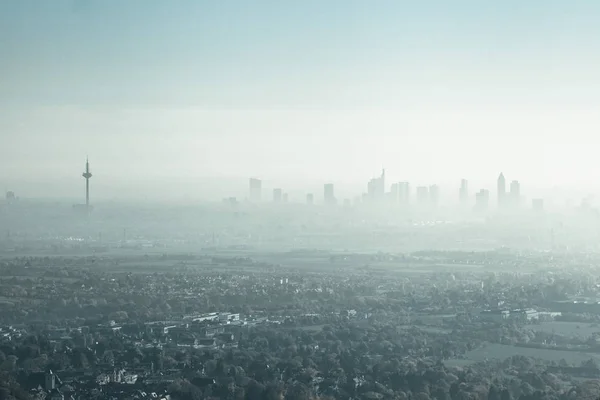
[
  {"x": 576, "y": 329},
  {"x": 500, "y": 352}
]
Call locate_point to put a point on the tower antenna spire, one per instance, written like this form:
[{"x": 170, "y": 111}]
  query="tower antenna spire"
[{"x": 87, "y": 175}]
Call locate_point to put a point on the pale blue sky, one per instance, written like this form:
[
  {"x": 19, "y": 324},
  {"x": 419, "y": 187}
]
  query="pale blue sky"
[{"x": 311, "y": 89}]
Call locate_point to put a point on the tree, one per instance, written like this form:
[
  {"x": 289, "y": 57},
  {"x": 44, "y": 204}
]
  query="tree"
[
  {"x": 255, "y": 391},
  {"x": 10, "y": 364}
]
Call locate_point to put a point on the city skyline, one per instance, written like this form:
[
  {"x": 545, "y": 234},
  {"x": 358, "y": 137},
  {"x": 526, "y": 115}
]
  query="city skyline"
[
  {"x": 399, "y": 193},
  {"x": 376, "y": 190},
  {"x": 319, "y": 87},
  {"x": 300, "y": 200}
]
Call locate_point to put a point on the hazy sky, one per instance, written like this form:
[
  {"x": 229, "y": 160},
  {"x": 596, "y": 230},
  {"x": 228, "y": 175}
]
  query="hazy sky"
[{"x": 307, "y": 90}]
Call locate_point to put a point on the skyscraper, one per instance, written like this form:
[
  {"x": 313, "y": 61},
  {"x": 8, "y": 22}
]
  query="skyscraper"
[
  {"x": 310, "y": 199},
  {"x": 328, "y": 194},
  {"x": 277, "y": 193},
  {"x": 376, "y": 187},
  {"x": 515, "y": 193},
  {"x": 482, "y": 199},
  {"x": 501, "y": 190},
  {"x": 422, "y": 195},
  {"x": 394, "y": 193},
  {"x": 255, "y": 190},
  {"x": 463, "y": 193},
  {"x": 404, "y": 193}
]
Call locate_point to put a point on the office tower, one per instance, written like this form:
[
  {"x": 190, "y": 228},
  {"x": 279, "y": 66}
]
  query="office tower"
[
  {"x": 376, "y": 187},
  {"x": 285, "y": 197},
  {"x": 515, "y": 193},
  {"x": 463, "y": 193},
  {"x": 255, "y": 190},
  {"x": 422, "y": 195},
  {"x": 310, "y": 199},
  {"x": 537, "y": 204},
  {"x": 434, "y": 195},
  {"x": 482, "y": 199},
  {"x": 404, "y": 193},
  {"x": 501, "y": 190},
  {"x": 277, "y": 195},
  {"x": 372, "y": 188},
  {"x": 328, "y": 195},
  {"x": 87, "y": 175},
  {"x": 10, "y": 196},
  {"x": 394, "y": 190}
]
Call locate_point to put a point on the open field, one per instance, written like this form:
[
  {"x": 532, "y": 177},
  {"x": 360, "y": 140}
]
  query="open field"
[
  {"x": 577, "y": 329},
  {"x": 501, "y": 352}
]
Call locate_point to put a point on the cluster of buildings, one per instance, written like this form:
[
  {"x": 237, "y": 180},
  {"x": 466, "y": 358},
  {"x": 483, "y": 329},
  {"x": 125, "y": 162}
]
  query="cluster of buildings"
[
  {"x": 400, "y": 194},
  {"x": 500, "y": 315}
]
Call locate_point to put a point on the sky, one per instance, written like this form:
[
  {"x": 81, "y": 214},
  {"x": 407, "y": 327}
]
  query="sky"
[{"x": 297, "y": 93}]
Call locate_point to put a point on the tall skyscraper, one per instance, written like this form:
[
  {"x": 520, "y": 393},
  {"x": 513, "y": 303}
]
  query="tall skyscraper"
[
  {"x": 255, "y": 190},
  {"x": 422, "y": 195},
  {"x": 328, "y": 194},
  {"x": 515, "y": 193},
  {"x": 404, "y": 193},
  {"x": 394, "y": 191},
  {"x": 376, "y": 187},
  {"x": 434, "y": 195},
  {"x": 463, "y": 193},
  {"x": 482, "y": 199},
  {"x": 501, "y": 190},
  {"x": 310, "y": 199},
  {"x": 277, "y": 194}
]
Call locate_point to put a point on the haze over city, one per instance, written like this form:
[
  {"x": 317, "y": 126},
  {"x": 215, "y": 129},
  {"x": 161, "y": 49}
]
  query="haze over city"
[
  {"x": 298, "y": 94},
  {"x": 309, "y": 200}
]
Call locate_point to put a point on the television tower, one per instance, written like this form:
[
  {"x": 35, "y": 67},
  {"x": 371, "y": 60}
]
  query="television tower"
[{"x": 87, "y": 175}]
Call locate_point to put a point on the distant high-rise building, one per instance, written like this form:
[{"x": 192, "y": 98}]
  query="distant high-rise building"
[
  {"x": 515, "y": 193},
  {"x": 255, "y": 190},
  {"x": 434, "y": 195},
  {"x": 277, "y": 194},
  {"x": 376, "y": 187},
  {"x": 310, "y": 199},
  {"x": 393, "y": 195},
  {"x": 422, "y": 195},
  {"x": 10, "y": 196},
  {"x": 482, "y": 199},
  {"x": 404, "y": 193},
  {"x": 463, "y": 193},
  {"x": 328, "y": 194},
  {"x": 537, "y": 204},
  {"x": 501, "y": 190}
]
